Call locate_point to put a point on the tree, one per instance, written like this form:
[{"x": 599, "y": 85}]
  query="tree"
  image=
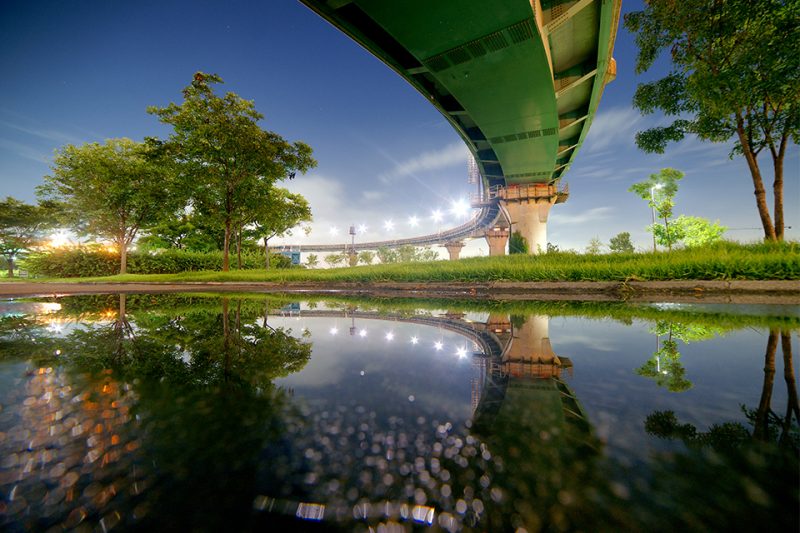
[
  {"x": 312, "y": 260},
  {"x": 517, "y": 244},
  {"x": 697, "y": 231},
  {"x": 734, "y": 75},
  {"x": 335, "y": 259},
  {"x": 366, "y": 257},
  {"x": 659, "y": 190},
  {"x": 595, "y": 246},
  {"x": 185, "y": 231},
  {"x": 277, "y": 216},
  {"x": 112, "y": 190},
  {"x": 229, "y": 161},
  {"x": 21, "y": 226},
  {"x": 621, "y": 243},
  {"x": 386, "y": 255}
]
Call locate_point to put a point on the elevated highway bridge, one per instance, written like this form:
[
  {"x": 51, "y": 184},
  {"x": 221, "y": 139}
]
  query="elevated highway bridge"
[{"x": 519, "y": 80}]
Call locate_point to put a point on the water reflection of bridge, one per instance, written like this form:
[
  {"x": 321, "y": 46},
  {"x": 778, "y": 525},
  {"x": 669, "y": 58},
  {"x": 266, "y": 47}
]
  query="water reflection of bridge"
[{"x": 515, "y": 364}]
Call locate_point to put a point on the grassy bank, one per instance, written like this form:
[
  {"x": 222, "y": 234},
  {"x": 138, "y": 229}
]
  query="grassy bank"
[{"x": 724, "y": 261}]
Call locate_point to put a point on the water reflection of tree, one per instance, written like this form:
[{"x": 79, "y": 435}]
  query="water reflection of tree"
[
  {"x": 756, "y": 467},
  {"x": 665, "y": 366},
  {"x": 204, "y": 346}
]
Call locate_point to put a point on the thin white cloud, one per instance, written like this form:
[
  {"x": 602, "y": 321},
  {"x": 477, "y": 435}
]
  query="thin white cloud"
[
  {"x": 613, "y": 127},
  {"x": 372, "y": 196},
  {"x": 25, "y": 151},
  {"x": 452, "y": 154},
  {"x": 51, "y": 135},
  {"x": 590, "y": 216}
]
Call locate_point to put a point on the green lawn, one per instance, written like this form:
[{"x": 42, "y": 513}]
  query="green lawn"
[{"x": 724, "y": 261}]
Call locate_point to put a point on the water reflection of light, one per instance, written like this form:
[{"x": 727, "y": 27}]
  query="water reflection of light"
[
  {"x": 438, "y": 345},
  {"x": 362, "y": 333},
  {"x": 334, "y": 331},
  {"x": 390, "y": 336},
  {"x": 461, "y": 353},
  {"x": 414, "y": 340}
]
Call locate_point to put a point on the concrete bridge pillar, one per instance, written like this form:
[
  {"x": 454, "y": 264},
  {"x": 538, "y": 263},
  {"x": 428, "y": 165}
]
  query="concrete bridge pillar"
[
  {"x": 529, "y": 218},
  {"x": 530, "y": 354},
  {"x": 454, "y": 248},
  {"x": 497, "y": 238},
  {"x": 498, "y": 323}
]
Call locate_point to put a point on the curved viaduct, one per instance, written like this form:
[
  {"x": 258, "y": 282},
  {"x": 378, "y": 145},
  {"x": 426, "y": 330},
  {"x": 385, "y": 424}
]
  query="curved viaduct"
[{"x": 519, "y": 80}]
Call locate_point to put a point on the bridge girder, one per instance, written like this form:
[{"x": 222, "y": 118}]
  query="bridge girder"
[{"x": 516, "y": 78}]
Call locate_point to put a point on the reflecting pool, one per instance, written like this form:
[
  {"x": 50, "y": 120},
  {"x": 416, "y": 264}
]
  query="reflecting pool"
[{"x": 249, "y": 412}]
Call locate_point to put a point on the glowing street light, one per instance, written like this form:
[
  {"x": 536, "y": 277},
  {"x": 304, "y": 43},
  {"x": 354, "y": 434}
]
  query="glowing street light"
[
  {"x": 362, "y": 229},
  {"x": 334, "y": 230},
  {"x": 460, "y": 208},
  {"x": 388, "y": 225},
  {"x": 413, "y": 221},
  {"x": 436, "y": 215}
]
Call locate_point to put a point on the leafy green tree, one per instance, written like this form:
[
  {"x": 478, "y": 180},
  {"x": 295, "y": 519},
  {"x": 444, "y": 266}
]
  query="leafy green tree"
[
  {"x": 335, "y": 259},
  {"x": 112, "y": 190},
  {"x": 312, "y": 260},
  {"x": 21, "y": 227},
  {"x": 230, "y": 162},
  {"x": 185, "y": 231},
  {"x": 517, "y": 244},
  {"x": 697, "y": 231},
  {"x": 665, "y": 366},
  {"x": 366, "y": 257},
  {"x": 386, "y": 255},
  {"x": 278, "y": 216},
  {"x": 621, "y": 243},
  {"x": 659, "y": 191},
  {"x": 734, "y": 75},
  {"x": 595, "y": 246}
]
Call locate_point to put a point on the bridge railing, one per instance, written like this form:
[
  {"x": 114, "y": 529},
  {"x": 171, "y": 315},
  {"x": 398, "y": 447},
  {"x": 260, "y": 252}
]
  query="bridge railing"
[{"x": 519, "y": 192}]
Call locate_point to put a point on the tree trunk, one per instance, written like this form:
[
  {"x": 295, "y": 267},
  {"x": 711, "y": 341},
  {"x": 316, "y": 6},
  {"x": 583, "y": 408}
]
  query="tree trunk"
[
  {"x": 239, "y": 248},
  {"x": 777, "y": 193},
  {"x": 226, "y": 244},
  {"x": 266, "y": 252},
  {"x": 226, "y": 340},
  {"x": 758, "y": 183},
  {"x": 11, "y": 266},
  {"x": 761, "y": 425},
  {"x": 123, "y": 256},
  {"x": 792, "y": 404}
]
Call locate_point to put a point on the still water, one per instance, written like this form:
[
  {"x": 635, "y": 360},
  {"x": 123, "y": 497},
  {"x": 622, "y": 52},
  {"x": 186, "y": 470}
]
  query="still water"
[{"x": 252, "y": 412}]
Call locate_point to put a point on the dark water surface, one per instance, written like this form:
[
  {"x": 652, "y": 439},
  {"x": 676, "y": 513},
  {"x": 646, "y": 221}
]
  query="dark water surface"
[{"x": 209, "y": 413}]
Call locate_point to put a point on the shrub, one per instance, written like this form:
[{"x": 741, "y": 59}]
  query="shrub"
[
  {"x": 83, "y": 262},
  {"x": 517, "y": 244}
]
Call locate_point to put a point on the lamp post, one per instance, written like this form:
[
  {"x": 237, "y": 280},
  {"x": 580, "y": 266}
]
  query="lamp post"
[
  {"x": 353, "y": 256},
  {"x": 653, "y": 210}
]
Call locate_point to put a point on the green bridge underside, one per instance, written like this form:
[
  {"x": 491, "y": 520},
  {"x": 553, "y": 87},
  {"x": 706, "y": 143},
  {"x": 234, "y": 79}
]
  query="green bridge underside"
[{"x": 520, "y": 80}]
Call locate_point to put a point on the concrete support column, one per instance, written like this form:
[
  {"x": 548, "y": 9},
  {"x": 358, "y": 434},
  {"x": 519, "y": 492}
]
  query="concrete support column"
[
  {"x": 496, "y": 238},
  {"x": 499, "y": 323},
  {"x": 454, "y": 248},
  {"x": 530, "y": 354},
  {"x": 529, "y": 218}
]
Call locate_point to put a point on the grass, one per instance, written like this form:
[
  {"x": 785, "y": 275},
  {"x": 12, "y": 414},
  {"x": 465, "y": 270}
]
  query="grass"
[{"x": 723, "y": 261}]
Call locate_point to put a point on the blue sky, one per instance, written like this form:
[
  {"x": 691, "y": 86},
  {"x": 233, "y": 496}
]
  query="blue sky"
[{"x": 83, "y": 71}]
